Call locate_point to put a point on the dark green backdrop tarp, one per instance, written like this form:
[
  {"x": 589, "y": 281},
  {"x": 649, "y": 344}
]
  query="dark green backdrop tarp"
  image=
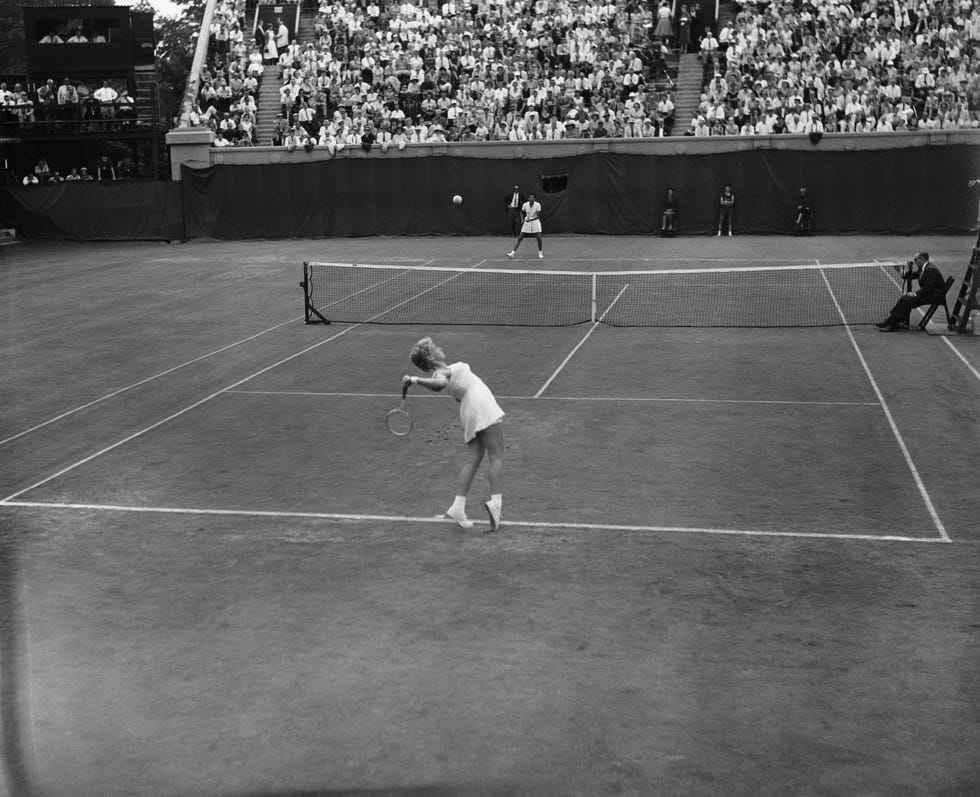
[
  {"x": 124, "y": 211},
  {"x": 906, "y": 191},
  {"x": 910, "y": 190}
]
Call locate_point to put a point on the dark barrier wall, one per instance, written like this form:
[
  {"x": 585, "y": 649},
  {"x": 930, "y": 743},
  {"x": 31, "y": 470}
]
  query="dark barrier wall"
[
  {"x": 909, "y": 190},
  {"x": 95, "y": 212},
  {"x": 904, "y": 190}
]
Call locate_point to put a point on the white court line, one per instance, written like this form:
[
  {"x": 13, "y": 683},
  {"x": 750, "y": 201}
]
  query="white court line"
[
  {"x": 944, "y": 338},
  {"x": 171, "y": 417},
  {"x": 534, "y": 524},
  {"x": 792, "y": 260},
  {"x": 891, "y": 421},
  {"x": 206, "y": 399},
  {"x": 580, "y": 343},
  {"x": 147, "y": 380},
  {"x": 624, "y": 399}
]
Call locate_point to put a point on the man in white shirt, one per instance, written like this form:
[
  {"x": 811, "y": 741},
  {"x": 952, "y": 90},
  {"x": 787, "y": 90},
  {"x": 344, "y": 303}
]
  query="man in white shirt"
[
  {"x": 107, "y": 96},
  {"x": 282, "y": 36},
  {"x": 709, "y": 47}
]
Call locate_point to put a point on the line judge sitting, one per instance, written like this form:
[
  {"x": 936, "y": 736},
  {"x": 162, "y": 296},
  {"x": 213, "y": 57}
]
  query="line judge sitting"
[{"x": 932, "y": 288}]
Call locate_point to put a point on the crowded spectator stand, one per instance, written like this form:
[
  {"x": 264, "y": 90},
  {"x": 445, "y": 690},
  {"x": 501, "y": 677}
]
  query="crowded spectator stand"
[{"x": 365, "y": 74}]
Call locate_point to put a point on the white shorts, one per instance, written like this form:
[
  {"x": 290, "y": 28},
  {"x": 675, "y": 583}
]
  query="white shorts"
[{"x": 531, "y": 227}]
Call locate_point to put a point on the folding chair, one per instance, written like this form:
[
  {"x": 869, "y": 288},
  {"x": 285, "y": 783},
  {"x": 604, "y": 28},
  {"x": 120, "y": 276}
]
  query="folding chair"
[{"x": 935, "y": 305}]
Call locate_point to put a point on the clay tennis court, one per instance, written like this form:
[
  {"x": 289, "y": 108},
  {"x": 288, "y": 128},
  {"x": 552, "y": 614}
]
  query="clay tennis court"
[{"x": 734, "y": 561}]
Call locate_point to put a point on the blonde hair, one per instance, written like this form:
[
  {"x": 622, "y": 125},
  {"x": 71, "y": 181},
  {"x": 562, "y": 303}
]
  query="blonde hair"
[{"x": 421, "y": 355}]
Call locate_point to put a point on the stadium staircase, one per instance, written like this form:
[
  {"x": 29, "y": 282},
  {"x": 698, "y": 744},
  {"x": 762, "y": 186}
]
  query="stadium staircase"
[
  {"x": 691, "y": 77},
  {"x": 267, "y": 104},
  {"x": 267, "y": 100},
  {"x": 726, "y": 14},
  {"x": 687, "y": 95}
]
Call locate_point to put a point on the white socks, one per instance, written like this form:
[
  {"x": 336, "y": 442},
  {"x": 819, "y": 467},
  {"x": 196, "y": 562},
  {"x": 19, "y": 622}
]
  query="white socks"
[{"x": 458, "y": 511}]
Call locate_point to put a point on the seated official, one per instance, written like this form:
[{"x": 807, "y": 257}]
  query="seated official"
[{"x": 932, "y": 288}]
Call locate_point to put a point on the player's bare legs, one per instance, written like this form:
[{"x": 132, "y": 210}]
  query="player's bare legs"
[
  {"x": 493, "y": 442},
  {"x": 475, "y": 450}
]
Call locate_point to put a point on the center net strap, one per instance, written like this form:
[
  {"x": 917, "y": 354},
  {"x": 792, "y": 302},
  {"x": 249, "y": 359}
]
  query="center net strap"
[{"x": 770, "y": 296}]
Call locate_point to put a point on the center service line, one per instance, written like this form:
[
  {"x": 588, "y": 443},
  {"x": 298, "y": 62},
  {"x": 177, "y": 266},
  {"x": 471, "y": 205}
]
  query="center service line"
[{"x": 571, "y": 354}]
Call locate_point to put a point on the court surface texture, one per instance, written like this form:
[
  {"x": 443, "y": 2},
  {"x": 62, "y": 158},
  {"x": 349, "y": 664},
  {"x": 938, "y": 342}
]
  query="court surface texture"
[{"x": 733, "y": 561}]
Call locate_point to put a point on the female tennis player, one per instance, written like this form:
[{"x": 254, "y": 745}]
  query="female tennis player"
[
  {"x": 531, "y": 213},
  {"x": 482, "y": 429}
]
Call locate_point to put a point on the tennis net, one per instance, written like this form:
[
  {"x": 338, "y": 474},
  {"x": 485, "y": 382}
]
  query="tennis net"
[{"x": 756, "y": 296}]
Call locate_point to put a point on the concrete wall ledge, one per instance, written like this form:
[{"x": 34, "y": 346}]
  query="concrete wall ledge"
[{"x": 192, "y": 147}]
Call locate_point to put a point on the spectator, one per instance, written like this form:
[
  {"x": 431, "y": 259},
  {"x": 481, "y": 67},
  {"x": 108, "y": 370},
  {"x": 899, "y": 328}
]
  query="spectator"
[
  {"x": 282, "y": 35},
  {"x": 125, "y": 169},
  {"x": 105, "y": 172},
  {"x": 68, "y": 101},
  {"x": 42, "y": 171},
  {"x": 47, "y": 98},
  {"x": 125, "y": 108},
  {"x": 684, "y": 30},
  {"x": 106, "y": 96},
  {"x": 664, "y": 29}
]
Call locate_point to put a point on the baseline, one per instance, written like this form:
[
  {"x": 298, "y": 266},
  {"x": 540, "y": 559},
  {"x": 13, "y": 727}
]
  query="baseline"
[{"x": 532, "y": 524}]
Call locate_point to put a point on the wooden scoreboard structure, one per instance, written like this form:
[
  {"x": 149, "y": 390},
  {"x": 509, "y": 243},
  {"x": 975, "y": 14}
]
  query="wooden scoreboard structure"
[{"x": 88, "y": 47}]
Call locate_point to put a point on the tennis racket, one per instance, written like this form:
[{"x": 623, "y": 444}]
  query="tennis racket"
[{"x": 398, "y": 421}]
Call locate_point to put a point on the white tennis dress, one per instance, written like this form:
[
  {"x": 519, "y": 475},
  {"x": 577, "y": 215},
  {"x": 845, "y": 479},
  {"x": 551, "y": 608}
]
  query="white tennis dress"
[
  {"x": 532, "y": 218},
  {"x": 478, "y": 409}
]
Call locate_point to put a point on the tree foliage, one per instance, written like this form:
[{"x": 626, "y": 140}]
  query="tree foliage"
[
  {"x": 176, "y": 38},
  {"x": 176, "y": 42}
]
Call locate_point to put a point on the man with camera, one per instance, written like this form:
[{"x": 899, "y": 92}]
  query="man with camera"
[{"x": 932, "y": 288}]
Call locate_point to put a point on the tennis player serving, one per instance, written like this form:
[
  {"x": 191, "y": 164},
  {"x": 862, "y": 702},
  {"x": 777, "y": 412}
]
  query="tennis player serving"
[{"x": 482, "y": 428}]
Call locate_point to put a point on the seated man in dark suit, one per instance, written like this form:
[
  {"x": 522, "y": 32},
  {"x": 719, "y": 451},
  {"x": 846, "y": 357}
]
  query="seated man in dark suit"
[{"x": 932, "y": 288}]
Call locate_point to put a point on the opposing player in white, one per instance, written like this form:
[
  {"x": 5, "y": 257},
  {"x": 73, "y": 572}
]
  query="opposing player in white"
[{"x": 531, "y": 214}]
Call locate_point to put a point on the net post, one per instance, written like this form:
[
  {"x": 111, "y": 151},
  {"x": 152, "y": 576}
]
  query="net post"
[
  {"x": 308, "y": 309},
  {"x": 595, "y": 278}
]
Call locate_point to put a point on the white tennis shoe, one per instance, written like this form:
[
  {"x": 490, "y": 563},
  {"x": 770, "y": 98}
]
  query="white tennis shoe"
[
  {"x": 494, "y": 511},
  {"x": 459, "y": 515},
  {"x": 510, "y": 255},
  {"x": 541, "y": 255}
]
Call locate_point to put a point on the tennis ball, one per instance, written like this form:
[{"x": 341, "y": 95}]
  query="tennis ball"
[{"x": 457, "y": 200}]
